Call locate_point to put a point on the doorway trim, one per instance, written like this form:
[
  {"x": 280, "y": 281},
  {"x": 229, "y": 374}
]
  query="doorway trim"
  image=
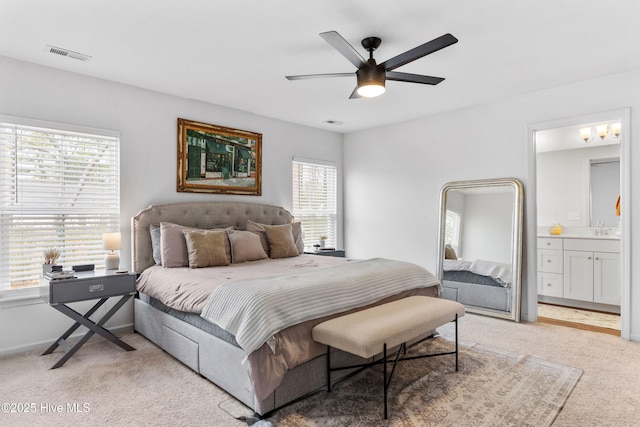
[{"x": 623, "y": 115}]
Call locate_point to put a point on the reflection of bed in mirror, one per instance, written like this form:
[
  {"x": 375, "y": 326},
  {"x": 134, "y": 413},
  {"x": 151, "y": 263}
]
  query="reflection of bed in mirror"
[
  {"x": 480, "y": 245},
  {"x": 478, "y": 283}
]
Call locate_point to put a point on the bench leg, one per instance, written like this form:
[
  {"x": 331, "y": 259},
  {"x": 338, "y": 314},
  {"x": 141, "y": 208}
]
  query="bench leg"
[
  {"x": 456, "y": 320},
  {"x": 328, "y": 368},
  {"x": 384, "y": 378}
]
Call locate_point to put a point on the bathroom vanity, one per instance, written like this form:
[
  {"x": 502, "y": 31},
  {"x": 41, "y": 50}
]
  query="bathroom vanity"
[{"x": 580, "y": 271}]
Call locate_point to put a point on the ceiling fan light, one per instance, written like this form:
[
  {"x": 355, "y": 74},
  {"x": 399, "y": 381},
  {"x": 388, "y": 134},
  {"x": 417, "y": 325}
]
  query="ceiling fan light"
[
  {"x": 371, "y": 90},
  {"x": 370, "y": 82}
]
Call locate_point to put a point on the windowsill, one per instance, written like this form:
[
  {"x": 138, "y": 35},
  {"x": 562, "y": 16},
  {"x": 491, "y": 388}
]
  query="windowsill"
[{"x": 20, "y": 297}]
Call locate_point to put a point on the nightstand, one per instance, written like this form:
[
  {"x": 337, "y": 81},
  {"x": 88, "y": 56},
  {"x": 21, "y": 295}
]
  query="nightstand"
[{"x": 88, "y": 285}]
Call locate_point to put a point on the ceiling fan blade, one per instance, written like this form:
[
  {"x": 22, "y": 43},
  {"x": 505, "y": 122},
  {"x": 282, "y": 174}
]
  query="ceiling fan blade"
[
  {"x": 319, "y": 76},
  {"x": 342, "y": 46},
  {"x": 355, "y": 94},
  {"x": 413, "y": 78},
  {"x": 418, "y": 52}
]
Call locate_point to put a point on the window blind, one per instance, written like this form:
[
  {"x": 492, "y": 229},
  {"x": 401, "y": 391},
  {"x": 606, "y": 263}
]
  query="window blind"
[
  {"x": 452, "y": 229},
  {"x": 315, "y": 200},
  {"x": 59, "y": 187}
]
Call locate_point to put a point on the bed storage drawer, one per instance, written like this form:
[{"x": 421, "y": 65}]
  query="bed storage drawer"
[{"x": 180, "y": 347}]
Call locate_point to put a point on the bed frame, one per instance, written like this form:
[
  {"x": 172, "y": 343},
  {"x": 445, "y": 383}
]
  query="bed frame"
[
  {"x": 211, "y": 357},
  {"x": 477, "y": 295}
]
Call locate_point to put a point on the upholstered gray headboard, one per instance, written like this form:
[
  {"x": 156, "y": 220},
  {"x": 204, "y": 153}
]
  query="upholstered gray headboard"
[{"x": 198, "y": 215}]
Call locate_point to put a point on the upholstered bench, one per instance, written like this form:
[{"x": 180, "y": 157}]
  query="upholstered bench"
[{"x": 370, "y": 332}]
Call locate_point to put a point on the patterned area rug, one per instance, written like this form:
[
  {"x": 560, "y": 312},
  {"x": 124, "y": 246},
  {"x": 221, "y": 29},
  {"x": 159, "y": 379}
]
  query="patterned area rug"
[{"x": 492, "y": 388}]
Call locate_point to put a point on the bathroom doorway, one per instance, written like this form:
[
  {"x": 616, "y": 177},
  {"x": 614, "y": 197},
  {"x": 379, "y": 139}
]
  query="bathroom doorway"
[{"x": 580, "y": 258}]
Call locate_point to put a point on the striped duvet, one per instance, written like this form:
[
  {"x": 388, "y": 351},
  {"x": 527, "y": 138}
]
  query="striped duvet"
[{"x": 254, "y": 310}]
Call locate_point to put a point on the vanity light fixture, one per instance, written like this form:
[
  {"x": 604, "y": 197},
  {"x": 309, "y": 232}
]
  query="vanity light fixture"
[
  {"x": 585, "y": 134},
  {"x": 615, "y": 129},
  {"x": 602, "y": 130}
]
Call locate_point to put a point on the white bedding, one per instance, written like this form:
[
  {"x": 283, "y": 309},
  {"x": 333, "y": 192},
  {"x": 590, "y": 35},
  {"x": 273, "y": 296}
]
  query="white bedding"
[
  {"x": 254, "y": 310},
  {"x": 498, "y": 271},
  {"x": 189, "y": 290}
]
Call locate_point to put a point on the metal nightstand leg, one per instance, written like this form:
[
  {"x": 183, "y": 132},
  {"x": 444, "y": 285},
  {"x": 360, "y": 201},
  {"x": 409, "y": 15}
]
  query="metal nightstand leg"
[{"x": 94, "y": 328}]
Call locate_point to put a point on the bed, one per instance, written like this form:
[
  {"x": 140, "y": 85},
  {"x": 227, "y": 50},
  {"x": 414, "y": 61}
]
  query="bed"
[
  {"x": 182, "y": 310},
  {"x": 478, "y": 283}
]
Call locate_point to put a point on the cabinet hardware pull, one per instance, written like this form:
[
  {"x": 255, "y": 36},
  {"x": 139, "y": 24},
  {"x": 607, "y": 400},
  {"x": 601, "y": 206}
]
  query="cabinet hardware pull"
[
  {"x": 597, "y": 259},
  {"x": 589, "y": 258}
]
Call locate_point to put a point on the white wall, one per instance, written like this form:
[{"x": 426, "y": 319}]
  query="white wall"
[
  {"x": 563, "y": 184},
  {"x": 147, "y": 122},
  {"x": 486, "y": 232},
  {"x": 396, "y": 215}
]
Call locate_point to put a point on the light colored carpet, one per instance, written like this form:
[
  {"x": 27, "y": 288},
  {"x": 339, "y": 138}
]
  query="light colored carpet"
[
  {"x": 145, "y": 387},
  {"x": 148, "y": 387}
]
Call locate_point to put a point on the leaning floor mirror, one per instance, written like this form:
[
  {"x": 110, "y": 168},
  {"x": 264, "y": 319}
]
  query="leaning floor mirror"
[{"x": 480, "y": 245}]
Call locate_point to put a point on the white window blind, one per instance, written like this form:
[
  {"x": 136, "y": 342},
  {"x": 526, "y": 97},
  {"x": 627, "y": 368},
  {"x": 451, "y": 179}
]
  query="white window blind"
[
  {"x": 452, "y": 230},
  {"x": 59, "y": 188},
  {"x": 315, "y": 200}
]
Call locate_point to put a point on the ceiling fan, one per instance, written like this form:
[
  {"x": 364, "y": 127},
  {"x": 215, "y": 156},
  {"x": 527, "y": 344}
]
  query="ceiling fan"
[{"x": 371, "y": 76}]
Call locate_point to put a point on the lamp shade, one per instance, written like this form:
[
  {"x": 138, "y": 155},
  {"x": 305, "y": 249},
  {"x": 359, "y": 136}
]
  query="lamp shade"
[
  {"x": 602, "y": 130},
  {"x": 111, "y": 241},
  {"x": 585, "y": 134}
]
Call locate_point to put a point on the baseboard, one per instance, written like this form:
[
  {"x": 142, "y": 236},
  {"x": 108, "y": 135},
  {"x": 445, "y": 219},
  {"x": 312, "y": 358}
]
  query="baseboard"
[{"x": 41, "y": 346}]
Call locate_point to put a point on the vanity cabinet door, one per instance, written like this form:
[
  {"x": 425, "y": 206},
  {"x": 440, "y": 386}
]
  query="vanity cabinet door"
[
  {"x": 606, "y": 278},
  {"x": 578, "y": 275}
]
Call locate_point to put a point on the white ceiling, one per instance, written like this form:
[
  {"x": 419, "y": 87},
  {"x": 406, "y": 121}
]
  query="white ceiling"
[{"x": 236, "y": 53}]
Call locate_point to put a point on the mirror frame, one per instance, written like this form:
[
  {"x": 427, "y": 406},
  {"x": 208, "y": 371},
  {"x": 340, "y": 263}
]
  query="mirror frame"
[{"x": 516, "y": 240}]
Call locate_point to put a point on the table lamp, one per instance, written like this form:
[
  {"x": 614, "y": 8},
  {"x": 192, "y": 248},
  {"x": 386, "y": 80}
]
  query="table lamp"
[{"x": 111, "y": 242}]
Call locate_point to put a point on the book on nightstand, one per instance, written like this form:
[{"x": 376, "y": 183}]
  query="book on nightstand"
[{"x": 59, "y": 275}]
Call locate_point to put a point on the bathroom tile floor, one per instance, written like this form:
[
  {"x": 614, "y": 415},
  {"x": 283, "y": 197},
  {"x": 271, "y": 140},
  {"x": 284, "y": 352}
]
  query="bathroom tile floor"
[{"x": 582, "y": 319}]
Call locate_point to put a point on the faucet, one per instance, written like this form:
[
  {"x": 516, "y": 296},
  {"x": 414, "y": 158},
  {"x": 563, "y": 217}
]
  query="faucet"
[{"x": 599, "y": 229}]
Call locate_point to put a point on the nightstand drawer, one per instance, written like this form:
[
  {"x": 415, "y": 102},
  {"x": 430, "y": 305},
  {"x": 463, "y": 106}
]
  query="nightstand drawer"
[{"x": 82, "y": 289}]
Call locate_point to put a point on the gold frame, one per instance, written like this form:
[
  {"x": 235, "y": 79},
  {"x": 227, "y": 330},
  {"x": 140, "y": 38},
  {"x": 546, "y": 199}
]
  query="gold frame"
[{"x": 217, "y": 159}]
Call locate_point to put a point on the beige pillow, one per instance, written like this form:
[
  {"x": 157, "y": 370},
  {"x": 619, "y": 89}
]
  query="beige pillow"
[
  {"x": 206, "y": 248},
  {"x": 173, "y": 247},
  {"x": 449, "y": 252},
  {"x": 245, "y": 246},
  {"x": 257, "y": 228},
  {"x": 281, "y": 241}
]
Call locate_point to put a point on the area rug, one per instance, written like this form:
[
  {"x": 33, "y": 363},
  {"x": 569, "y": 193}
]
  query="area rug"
[{"x": 491, "y": 388}]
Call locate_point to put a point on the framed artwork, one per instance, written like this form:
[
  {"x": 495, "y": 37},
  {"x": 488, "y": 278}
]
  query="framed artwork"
[{"x": 216, "y": 159}]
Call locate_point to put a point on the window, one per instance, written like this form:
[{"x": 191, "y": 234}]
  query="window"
[
  {"x": 315, "y": 200},
  {"x": 59, "y": 187},
  {"x": 452, "y": 230}
]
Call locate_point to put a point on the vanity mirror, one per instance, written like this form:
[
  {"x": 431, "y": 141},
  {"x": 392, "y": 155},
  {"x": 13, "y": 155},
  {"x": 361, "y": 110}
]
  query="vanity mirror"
[{"x": 480, "y": 245}]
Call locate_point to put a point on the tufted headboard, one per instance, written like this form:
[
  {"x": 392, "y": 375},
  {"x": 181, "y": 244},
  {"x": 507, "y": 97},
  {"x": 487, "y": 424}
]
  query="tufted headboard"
[{"x": 198, "y": 215}]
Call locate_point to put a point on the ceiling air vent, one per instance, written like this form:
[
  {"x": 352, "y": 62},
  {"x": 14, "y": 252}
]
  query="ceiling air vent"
[{"x": 68, "y": 53}]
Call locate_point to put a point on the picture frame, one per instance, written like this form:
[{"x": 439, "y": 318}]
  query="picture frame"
[{"x": 217, "y": 159}]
